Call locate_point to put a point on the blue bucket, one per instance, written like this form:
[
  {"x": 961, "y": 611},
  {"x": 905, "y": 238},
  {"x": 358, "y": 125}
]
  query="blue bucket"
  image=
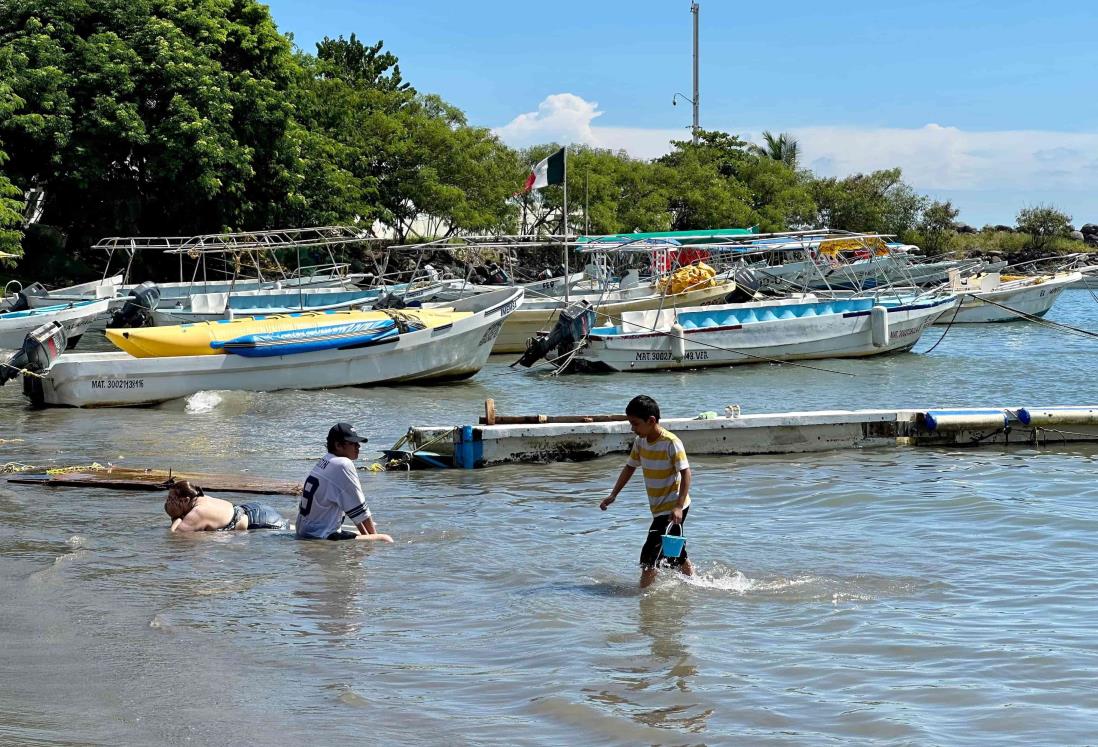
[{"x": 672, "y": 544}]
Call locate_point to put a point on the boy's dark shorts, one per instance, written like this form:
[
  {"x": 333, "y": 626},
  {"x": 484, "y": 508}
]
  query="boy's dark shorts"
[
  {"x": 651, "y": 553},
  {"x": 342, "y": 534}
]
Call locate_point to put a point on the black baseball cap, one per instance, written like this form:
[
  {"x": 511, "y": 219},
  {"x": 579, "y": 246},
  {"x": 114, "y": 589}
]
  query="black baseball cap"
[{"x": 345, "y": 432}]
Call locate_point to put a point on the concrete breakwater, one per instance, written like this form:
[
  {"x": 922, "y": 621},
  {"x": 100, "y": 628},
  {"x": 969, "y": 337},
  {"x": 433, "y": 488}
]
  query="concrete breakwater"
[{"x": 474, "y": 446}]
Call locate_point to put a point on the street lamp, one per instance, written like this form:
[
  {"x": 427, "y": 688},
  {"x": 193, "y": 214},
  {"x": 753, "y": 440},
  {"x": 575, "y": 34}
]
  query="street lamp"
[{"x": 694, "y": 11}]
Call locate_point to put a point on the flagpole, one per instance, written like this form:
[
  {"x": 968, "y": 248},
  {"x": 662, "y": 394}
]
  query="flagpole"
[{"x": 567, "y": 269}]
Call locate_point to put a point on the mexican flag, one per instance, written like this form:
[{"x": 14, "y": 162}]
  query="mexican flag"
[{"x": 549, "y": 171}]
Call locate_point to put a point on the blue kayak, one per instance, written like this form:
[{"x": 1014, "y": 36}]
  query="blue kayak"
[{"x": 292, "y": 341}]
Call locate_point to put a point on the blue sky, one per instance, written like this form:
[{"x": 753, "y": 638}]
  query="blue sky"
[{"x": 991, "y": 105}]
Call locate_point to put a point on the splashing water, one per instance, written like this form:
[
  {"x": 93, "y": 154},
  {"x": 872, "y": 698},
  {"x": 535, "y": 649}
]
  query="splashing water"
[{"x": 200, "y": 402}]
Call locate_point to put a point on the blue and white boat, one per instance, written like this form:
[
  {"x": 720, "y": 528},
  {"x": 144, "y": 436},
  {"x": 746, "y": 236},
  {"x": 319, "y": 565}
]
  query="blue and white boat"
[
  {"x": 74, "y": 317},
  {"x": 789, "y": 329}
]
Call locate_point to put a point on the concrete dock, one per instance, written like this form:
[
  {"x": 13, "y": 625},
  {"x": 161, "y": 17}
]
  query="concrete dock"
[{"x": 475, "y": 446}]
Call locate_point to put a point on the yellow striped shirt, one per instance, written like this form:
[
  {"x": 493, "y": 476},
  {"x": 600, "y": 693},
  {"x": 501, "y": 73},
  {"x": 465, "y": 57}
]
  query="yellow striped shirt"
[{"x": 662, "y": 462}]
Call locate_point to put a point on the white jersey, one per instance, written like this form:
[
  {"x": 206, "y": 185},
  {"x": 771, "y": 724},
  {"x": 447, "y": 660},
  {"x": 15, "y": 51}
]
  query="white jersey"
[{"x": 330, "y": 490}]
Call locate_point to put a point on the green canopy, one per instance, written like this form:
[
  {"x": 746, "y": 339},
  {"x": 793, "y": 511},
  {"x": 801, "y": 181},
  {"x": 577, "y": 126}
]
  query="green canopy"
[{"x": 710, "y": 236}]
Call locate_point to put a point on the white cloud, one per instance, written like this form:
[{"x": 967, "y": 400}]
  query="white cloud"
[
  {"x": 947, "y": 158},
  {"x": 567, "y": 118},
  {"x": 1019, "y": 167},
  {"x": 563, "y": 117}
]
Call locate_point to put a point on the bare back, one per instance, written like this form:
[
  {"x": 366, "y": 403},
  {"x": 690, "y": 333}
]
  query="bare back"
[{"x": 209, "y": 513}]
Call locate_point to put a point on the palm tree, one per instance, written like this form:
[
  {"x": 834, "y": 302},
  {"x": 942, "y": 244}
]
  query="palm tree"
[{"x": 779, "y": 147}]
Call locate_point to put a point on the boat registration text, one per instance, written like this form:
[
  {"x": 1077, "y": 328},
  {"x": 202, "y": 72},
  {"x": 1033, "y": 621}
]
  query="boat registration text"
[
  {"x": 118, "y": 384},
  {"x": 665, "y": 355}
]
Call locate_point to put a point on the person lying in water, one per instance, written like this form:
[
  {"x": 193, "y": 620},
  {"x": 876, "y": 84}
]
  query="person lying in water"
[{"x": 191, "y": 510}]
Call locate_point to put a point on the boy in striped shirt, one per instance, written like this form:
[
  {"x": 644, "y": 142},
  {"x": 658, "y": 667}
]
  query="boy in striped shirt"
[{"x": 662, "y": 459}]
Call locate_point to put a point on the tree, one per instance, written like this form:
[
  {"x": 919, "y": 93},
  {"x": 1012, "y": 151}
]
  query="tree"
[
  {"x": 1043, "y": 223},
  {"x": 783, "y": 148},
  {"x": 879, "y": 201},
  {"x": 149, "y": 116},
  {"x": 407, "y": 160},
  {"x": 11, "y": 201},
  {"x": 937, "y": 225},
  {"x": 703, "y": 191},
  {"x": 621, "y": 193}
]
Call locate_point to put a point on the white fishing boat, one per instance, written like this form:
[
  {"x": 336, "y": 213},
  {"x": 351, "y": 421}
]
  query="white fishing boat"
[
  {"x": 777, "y": 330},
  {"x": 204, "y": 307},
  {"x": 36, "y": 296},
  {"x": 554, "y": 287},
  {"x": 1088, "y": 277},
  {"x": 992, "y": 297},
  {"x": 236, "y": 251},
  {"x": 449, "y": 351},
  {"x": 74, "y": 317}
]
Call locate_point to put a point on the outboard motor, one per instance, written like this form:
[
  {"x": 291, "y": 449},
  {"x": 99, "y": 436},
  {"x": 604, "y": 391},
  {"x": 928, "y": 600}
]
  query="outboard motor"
[
  {"x": 494, "y": 275},
  {"x": 40, "y": 349},
  {"x": 573, "y": 325},
  {"x": 22, "y": 298},
  {"x": 748, "y": 283},
  {"x": 139, "y": 307},
  {"x": 389, "y": 301}
]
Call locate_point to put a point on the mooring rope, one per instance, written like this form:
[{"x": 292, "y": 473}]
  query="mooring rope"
[
  {"x": 949, "y": 326},
  {"x": 1038, "y": 320},
  {"x": 24, "y": 371}
]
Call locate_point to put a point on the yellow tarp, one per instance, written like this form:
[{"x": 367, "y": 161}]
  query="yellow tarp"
[
  {"x": 693, "y": 277},
  {"x": 832, "y": 247}
]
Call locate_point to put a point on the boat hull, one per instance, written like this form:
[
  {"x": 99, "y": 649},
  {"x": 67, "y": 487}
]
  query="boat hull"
[
  {"x": 75, "y": 318},
  {"x": 452, "y": 351},
  {"x": 1033, "y": 299}
]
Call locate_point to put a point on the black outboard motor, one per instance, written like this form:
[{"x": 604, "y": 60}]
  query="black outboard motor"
[
  {"x": 573, "y": 325},
  {"x": 139, "y": 307},
  {"x": 22, "y": 302},
  {"x": 40, "y": 349},
  {"x": 389, "y": 301},
  {"x": 748, "y": 283},
  {"x": 496, "y": 275}
]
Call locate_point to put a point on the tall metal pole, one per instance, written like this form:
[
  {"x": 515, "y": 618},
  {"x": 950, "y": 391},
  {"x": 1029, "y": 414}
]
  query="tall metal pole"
[
  {"x": 694, "y": 9},
  {"x": 567, "y": 265}
]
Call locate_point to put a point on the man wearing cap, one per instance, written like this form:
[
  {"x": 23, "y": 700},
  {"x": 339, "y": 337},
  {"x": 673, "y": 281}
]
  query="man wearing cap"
[{"x": 332, "y": 490}]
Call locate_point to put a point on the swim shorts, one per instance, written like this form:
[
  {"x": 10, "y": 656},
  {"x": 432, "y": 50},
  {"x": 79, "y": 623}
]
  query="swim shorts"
[{"x": 652, "y": 552}]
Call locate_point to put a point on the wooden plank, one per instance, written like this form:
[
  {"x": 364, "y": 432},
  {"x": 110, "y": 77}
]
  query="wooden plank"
[
  {"x": 123, "y": 478},
  {"x": 533, "y": 419},
  {"x": 491, "y": 417}
]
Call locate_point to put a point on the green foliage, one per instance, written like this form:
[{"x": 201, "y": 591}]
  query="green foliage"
[
  {"x": 151, "y": 116},
  {"x": 936, "y": 226},
  {"x": 407, "y": 160},
  {"x": 782, "y": 148},
  {"x": 1043, "y": 223},
  {"x": 878, "y": 202},
  {"x": 11, "y": 197}
]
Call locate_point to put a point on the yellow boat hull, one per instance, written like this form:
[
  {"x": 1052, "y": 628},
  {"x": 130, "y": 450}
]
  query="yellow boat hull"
[{"x": 197, "y": 338}]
